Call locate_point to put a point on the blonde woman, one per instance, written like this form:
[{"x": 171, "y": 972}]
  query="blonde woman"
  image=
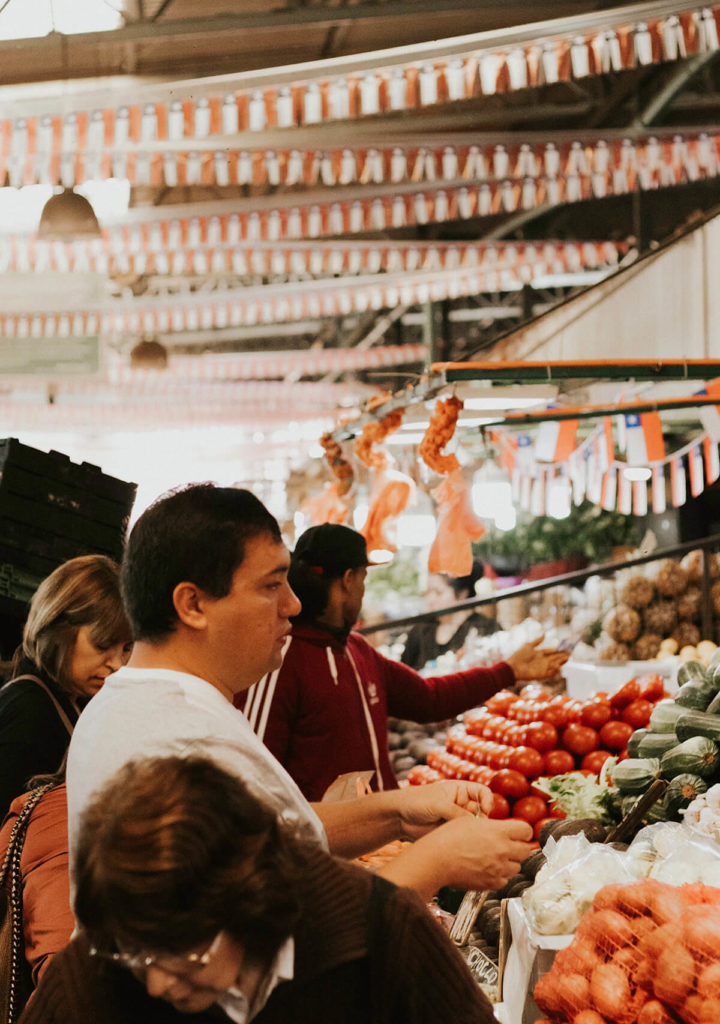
[{"x": 76, "y": 634}]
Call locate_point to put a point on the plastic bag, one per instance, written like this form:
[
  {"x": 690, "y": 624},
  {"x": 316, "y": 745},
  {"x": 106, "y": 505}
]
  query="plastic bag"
[{"x": 566, "y": 885}]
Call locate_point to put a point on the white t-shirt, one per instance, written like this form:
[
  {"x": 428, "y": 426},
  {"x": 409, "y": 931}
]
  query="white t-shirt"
[{"x": 142, "y": 713}]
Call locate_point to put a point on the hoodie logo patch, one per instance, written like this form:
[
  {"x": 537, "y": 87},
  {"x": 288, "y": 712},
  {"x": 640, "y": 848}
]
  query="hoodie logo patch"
[{"x": 373, "y": 693}]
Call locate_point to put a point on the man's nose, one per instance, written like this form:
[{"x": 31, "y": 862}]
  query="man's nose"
[
  {"x": 157, "y": 981},
  {"x": 291, "y": 605}
]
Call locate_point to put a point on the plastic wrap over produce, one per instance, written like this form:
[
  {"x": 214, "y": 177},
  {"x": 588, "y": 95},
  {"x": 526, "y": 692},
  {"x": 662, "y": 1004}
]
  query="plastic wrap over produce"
[
  {"x": 576, "y": 870},
  {"x": 645, "y": 953}
]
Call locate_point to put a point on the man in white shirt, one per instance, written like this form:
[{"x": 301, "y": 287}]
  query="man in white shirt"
[{"x": 205, "y": 585}]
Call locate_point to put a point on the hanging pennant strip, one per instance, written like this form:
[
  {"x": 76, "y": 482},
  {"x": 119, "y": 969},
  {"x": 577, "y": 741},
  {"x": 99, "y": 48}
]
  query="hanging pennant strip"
[
  {"x": 537, "y": 496},
  {"x": 659, "y": 500},
  {"x": 644, "y": 438},
  {"x": 407, "y": 77},
  {"x": 678, "y": 487},
  {"x": 556, "y": 440},
  {"x": 146, "y": 248},
  {"x": 712, "y": 460}
]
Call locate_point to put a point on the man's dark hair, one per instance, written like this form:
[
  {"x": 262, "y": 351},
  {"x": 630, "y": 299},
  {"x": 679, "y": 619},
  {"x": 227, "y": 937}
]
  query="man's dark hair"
[
  {"x": 196, "y": 534},
  {"x": 174, "y": 850},
  {"x": 312, "y": 588}
]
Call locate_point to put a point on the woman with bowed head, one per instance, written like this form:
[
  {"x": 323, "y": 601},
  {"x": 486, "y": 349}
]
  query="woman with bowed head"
[
  {"x": 76, "y": 634},
  {"x": 193, "y": 898}
]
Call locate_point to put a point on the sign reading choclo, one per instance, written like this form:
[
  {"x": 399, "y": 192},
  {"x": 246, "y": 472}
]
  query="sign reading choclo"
[{"x": 49, "y": 357}]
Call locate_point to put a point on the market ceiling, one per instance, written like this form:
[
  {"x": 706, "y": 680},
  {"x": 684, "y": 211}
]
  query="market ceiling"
[{"x": 348, "y": 221}]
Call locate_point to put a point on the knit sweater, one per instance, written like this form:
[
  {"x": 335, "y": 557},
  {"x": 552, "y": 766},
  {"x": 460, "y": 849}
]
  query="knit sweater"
[
  {"x": 324, "y": 712},
  {"x": 366, "y": 952}
]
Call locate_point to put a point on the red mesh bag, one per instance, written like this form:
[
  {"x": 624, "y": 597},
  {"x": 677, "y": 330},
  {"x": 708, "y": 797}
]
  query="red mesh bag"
[{"x": 646, "y": 953}]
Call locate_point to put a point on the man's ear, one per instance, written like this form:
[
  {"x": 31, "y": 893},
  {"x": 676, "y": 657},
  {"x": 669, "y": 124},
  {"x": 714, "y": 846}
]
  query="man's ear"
[
  {"x": 190, "y": 601},
  {"x": 347, "y": 578}
]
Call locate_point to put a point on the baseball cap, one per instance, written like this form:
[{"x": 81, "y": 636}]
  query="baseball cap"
[{"x": 332, "y": 547}]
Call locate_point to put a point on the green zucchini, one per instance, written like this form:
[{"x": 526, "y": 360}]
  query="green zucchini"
[
  {"x": 634, "y": 742},
  {"x": 655, "y": 744},
  {"x": 664, "y": 716},
  {"x": 696, "y": 756},
  {"x": 713, "y": 707},
  {"x": 714, "y": 661},
  {"x": 635, "y": 774},
  {"x": 695, "y": 696},
  {"x": 692, "y": 672},
  {"x": 682, "y": 790},
  {"x": 698, "y": 723},
  {"x": 659, "y": 811}
]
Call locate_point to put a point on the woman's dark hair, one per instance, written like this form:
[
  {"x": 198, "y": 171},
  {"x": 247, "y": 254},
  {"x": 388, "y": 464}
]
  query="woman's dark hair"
[
  {"x": 197, "y": 534},
  {"x": 84, "y": 591},
  {"x": 464, "y": 586},
  {"x": 174, "y": 850}
]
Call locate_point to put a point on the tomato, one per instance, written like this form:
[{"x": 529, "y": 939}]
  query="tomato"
[
  {"x": 541, "y": 736},
  {"x": 538, "y": 826},
  {"x": 651, "y": 686},
  {"x": 574, "y": 711},
  {"x": 596, "y": 713},
  {"x": 555, "y": 714},
  {"x": 510, "y": 783},
  {"x": 595, "y": 760},
  {"x": 530, "y": 809},
  {"x": 557, "y": 762},
  {"x": 626, "y": 694},
  {"x": 500, "y": 807},
  {"x": 535, "y": 692},
  {"x": 614, "y": 735},
  {"x": 637, "y": 713},
  {"x": 499, "y": 703},
  {"x": 555, "y": 811},
  {"x": 580, "y": 739},
  {"x": 527, "y": 761}
]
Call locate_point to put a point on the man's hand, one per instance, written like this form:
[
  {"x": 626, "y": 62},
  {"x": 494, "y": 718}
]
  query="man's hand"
[
  {"x": 423, "y": 808},
  {"x": 529, "y": 663},
  {"x": 467, "y": 852}
]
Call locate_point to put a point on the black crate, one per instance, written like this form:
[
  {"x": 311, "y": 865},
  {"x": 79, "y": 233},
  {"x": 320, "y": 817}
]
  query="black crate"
[{"x": 52, "y": 509}]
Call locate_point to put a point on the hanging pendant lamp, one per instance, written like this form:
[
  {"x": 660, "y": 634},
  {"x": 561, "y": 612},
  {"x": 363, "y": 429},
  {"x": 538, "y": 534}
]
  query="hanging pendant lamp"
[{"x": 67, "y": 216}]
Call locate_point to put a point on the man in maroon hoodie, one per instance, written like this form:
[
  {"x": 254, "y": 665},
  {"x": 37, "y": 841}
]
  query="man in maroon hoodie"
[{"x": 324, "y": 711}]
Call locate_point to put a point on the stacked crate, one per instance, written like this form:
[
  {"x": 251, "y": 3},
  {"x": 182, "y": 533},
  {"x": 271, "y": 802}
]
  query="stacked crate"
[{"x": 52, "y": 509}]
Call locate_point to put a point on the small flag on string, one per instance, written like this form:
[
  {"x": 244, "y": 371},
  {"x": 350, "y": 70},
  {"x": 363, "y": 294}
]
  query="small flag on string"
[
  {"x": 677, "y": 481},
  {"x": 524, "y": 452},
  {"x": 659, "y": 501},
  {"x": 712, "y": 460},
  {"x": 640, "y": 502},
  {"x": 710, "y": 414},
  {"x": 609, "y": 490},
  {"x": 578, "y": 469},
  {"x": 537, "y": 497},
  {"x": 606, "y": 445},
  {"x": 644, "y": 438},
  {"x": 695, "y": 465},
  {"x": 525, "y": 489},
  {"x": 624, "y": 501},
  {"x": 556, "y": 440},
  {"x": 515, "y": 485}
]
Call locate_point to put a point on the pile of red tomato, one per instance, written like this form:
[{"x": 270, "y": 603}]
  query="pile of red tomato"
[{"x": 515, "y": 738}]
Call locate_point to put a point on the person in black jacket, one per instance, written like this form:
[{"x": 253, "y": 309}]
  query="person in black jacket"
[
  {"x": 428, "y": 640},
  {"x": 76, "y": 634},
  {"x": 193, "y": 898}
]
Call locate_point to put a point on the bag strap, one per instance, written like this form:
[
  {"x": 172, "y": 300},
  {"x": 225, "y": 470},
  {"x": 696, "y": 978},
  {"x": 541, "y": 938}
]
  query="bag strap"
[
  {"x": 11, "y": 862},
  {"x": 17, "y": 835},
  {"x": 58, "y": 707}
]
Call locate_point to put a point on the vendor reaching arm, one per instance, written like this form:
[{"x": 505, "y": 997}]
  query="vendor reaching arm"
[{"x": 324, "y": 712}]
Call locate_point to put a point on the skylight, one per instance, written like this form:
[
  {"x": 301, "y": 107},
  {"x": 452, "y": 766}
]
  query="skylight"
[{"x": 24, "y": 19}]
